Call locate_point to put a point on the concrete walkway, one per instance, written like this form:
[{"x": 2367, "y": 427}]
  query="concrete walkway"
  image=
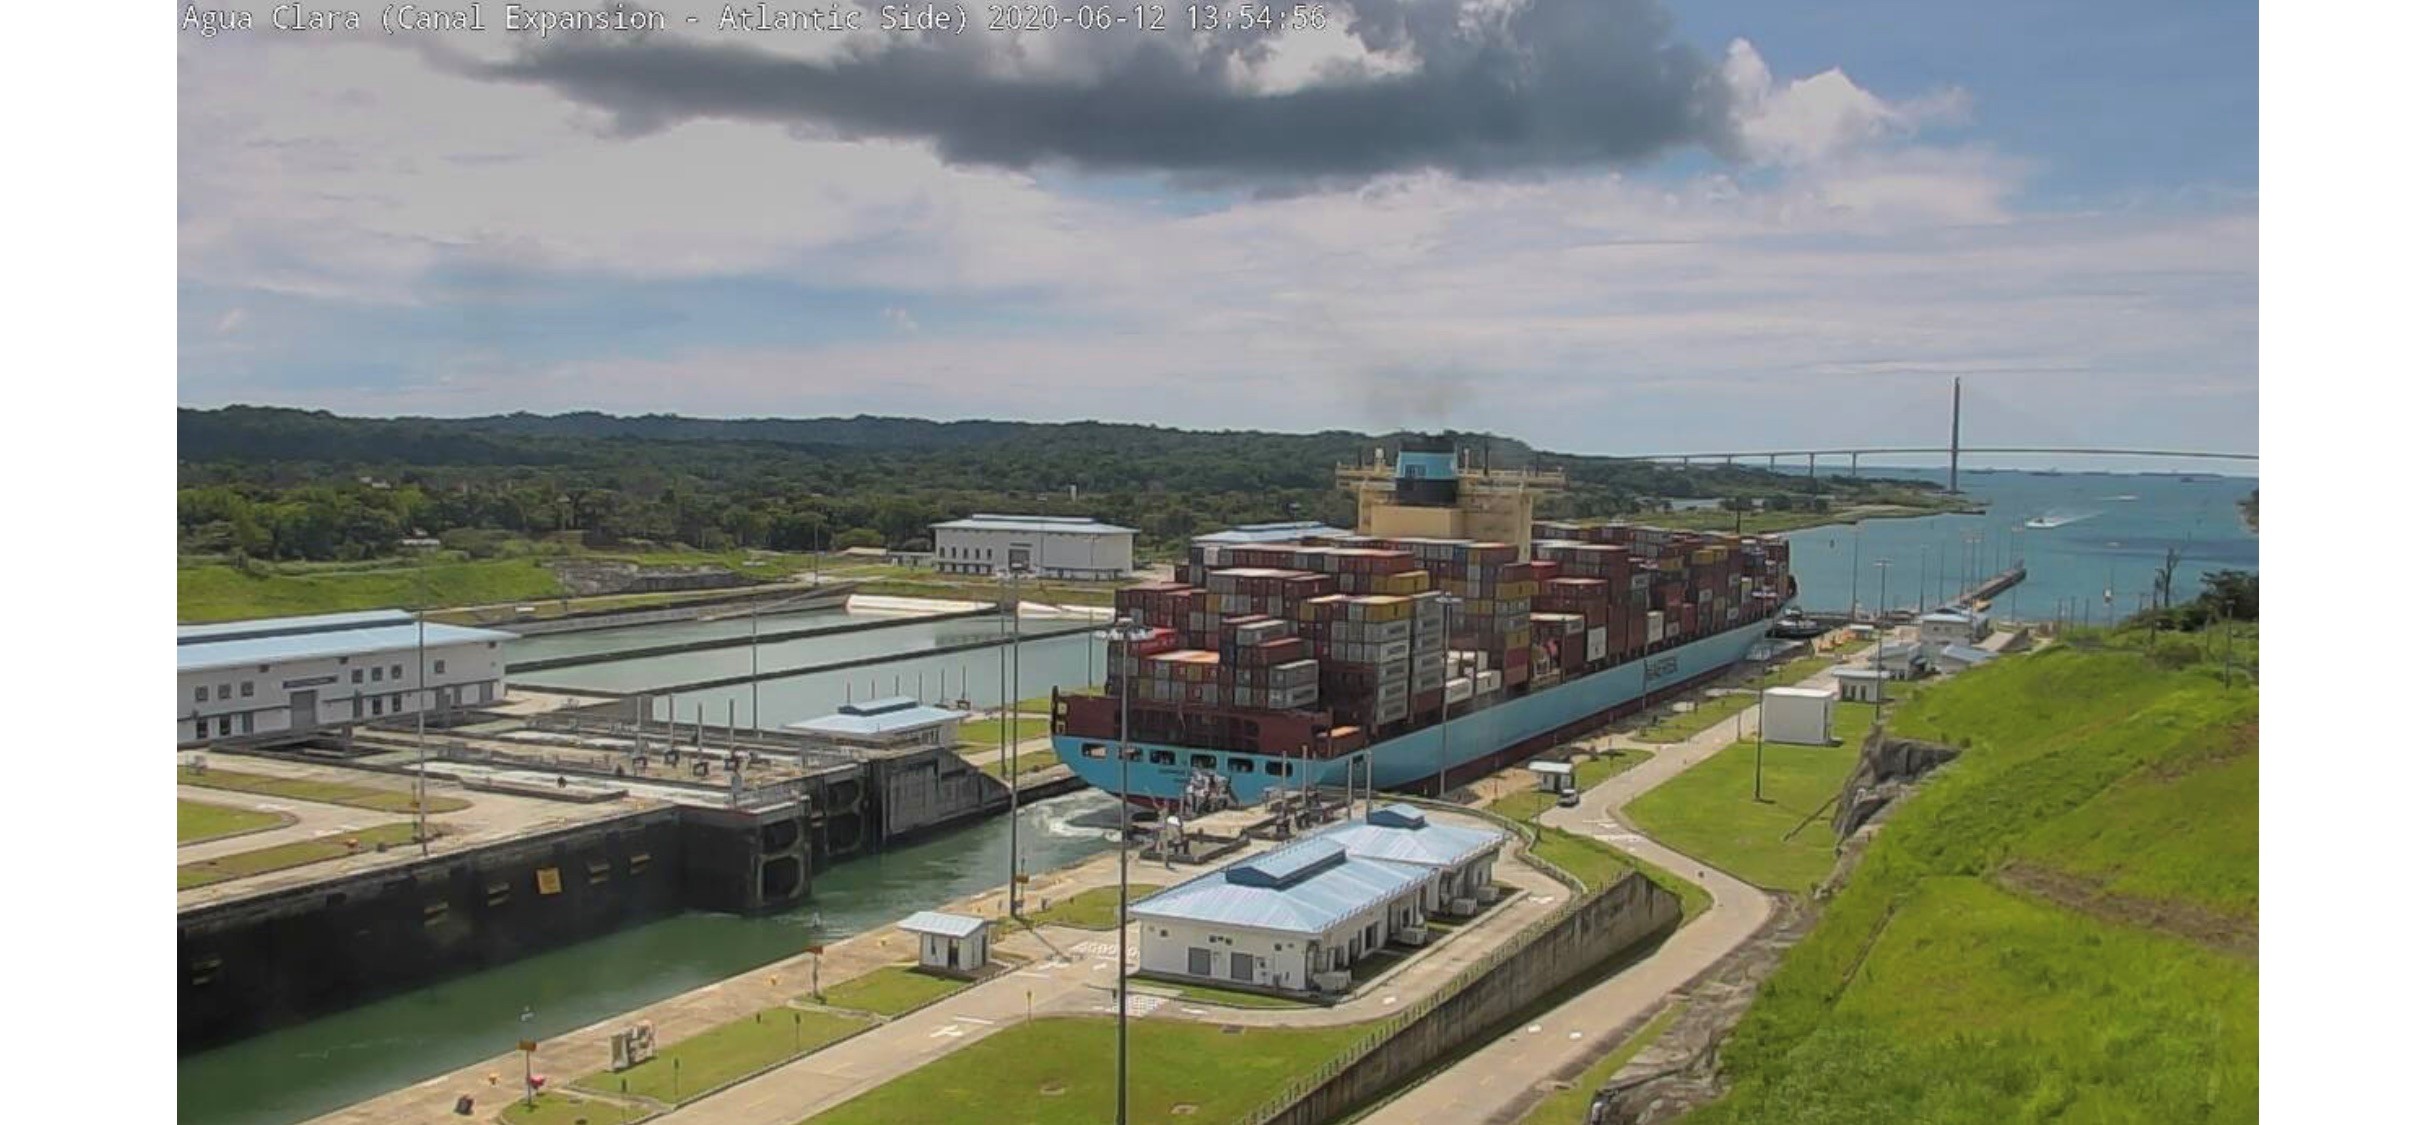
[{"x": 1506, "y": 1076}]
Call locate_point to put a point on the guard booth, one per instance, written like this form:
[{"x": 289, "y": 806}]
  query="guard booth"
[
  {"x": 1553, "y": 777},
  {"x": 950, "y": 943}
]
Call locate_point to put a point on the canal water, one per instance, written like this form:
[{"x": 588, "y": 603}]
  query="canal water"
[
  {"x": 289, "y": 1075},
  {"x": 589, "y": 642},
  {"x": 2113, "y": 532}
]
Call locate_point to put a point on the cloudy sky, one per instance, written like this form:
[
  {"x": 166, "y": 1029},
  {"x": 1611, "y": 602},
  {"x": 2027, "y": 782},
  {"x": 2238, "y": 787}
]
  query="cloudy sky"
[{"x": 1597, "y": 225}]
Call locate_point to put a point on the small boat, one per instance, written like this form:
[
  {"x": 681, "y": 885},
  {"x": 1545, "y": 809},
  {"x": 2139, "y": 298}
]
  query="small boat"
[
  {"x": 2126, "y": 498},
  {"x": 1795, "y": 627},
  {"x": 2046, "y": 522}
]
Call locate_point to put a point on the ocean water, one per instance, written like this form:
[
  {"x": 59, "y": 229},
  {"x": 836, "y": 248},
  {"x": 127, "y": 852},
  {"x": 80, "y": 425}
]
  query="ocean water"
[{"x": 2113, "y": 534}]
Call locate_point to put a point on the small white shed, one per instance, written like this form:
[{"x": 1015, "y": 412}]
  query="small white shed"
[
  {"x": 955, "y": 943},
  {"x": 1798, "y": 715},
  {"x": 1553, "y": 777},
  {"x": 1861, "y": 685}
]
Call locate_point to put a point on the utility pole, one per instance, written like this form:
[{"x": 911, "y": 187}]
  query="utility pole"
[
  {"x": 756, "y": 647},
  {"x": 1006, "y": 723},
  {"x": 1877, "y": 709},
  {"x": 1953, "y": 449},
  {"x": 422, "y": 765},
  {"x": 1124, "y": 630}
]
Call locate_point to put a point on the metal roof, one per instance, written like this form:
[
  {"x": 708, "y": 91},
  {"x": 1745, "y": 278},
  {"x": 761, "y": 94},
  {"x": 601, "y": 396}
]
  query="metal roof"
[
  {"x": 205, "y": 654},
  {"x": 1799, "y": 693},
  {"x": 1859, "y": 674},
  {"x": 946, "y": 925},
  {"x": 1272, "y": 533},
  {"x": 875, "y": 717},
  {"x": 1418, "y": 841},
  {"x": 1077, "y": 525},
  {"x": 277, "y": 626},
  {"x": 1320, "y": 897},
  {"x": 1967, "y": 654}
]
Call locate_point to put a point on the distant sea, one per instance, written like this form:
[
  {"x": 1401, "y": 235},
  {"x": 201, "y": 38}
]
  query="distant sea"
[{"x": 2115, "y": 529}]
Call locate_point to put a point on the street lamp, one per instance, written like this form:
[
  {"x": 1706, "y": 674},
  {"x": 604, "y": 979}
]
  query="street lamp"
[
  {"x": 525, "y": 1043},
  {"x": 1127, "y": 632},
  {"x": 1007, "y": 704},
  {"x": 1446, "y": 607}
]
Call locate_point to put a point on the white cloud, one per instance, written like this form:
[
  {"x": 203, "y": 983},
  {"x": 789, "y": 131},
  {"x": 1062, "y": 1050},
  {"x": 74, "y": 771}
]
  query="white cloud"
[{"x": 1597, "y": 312}]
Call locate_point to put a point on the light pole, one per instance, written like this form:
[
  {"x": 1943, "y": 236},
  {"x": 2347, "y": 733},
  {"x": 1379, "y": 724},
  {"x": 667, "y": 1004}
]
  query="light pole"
[
  {"x": 1446, "y": 614},
  {"x": 1125, "y": 632},
  {"x": 1006, "y": 723},
  {"x": 526, "y": 1044},
  {"x": 1922, "y": 606},
  {"x": 756, "y": 681},
  {"x": 422, "y": 665},
  {"x": 1878, "y": 698},
  {"x": 1856, "y": 571}
]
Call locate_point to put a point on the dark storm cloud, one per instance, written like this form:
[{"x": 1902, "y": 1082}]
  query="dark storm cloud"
[{"x": 1540, "y": 84}]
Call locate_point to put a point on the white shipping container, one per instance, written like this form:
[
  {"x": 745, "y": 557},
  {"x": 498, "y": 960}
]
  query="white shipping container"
[
  {"x": 1657, "y": 623},
  {"x": 1595, "y": 648},
  {"x": 1458, "y": 690},
  {"x": 1490, "y": 681}
]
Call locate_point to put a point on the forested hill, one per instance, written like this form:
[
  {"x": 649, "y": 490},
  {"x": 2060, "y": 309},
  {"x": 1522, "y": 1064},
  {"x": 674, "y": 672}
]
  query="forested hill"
[{"x": 284, "y": 483}]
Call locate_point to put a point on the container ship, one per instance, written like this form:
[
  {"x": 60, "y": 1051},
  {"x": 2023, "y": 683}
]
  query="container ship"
[{"x": 1451, "y": 635}]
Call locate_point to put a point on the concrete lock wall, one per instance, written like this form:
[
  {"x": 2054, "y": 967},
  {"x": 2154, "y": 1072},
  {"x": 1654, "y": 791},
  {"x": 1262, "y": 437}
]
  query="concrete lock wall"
[{"x": 1605, "y": 926}]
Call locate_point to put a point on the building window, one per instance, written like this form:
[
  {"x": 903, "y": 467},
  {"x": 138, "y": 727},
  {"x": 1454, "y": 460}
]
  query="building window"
[
  {"x": 397, "y": 671},
  {"x": 376, "y": 706},
  {"x": 203, "y": 731},
  {"x": 245, "y": 723},
  {"x": 223, "y": 691},
  {"x": 439, "y": 667},
  {"x": 1239, "y": 765},
  {"x": 224, "y": 725},
  {"x": 1205, "y": 761},
  {"x": 376, "y": 675},
  {"x": 397, "y": 703},
  {"x": 202, "y": 694},
  {"x": 1095, "y": 750},
  {"x": 1274, "y": 767},
  {"x": 1162, "y": 757},
  {"x": 246, "y": 689},
  {"x": 357, "y": 676}
]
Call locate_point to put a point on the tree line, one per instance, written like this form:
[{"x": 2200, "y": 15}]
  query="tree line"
[{"x": 275, "y": 483}]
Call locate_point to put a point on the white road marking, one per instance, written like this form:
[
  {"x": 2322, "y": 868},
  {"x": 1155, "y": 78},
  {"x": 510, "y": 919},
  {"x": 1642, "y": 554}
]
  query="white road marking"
[
  {"x": 949, "y": 1031},
  {"x": 975, "y": 1019},
  {"x": 1533, "y": 1029}
]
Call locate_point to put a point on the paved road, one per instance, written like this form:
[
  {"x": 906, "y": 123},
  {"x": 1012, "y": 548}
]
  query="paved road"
[{"x": 1507, "y": 1074}]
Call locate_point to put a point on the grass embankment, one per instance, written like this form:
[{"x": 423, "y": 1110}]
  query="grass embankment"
[
  {"x": 1707, "y": 811},
  {"x": 1060, "y": 1070},
  {"x": 1572, "y": 1107},
  {"x": 326, "y": 792},
  {"x": 219, "y": 591},
  {"x": 1932, "y": 991},
  {"x": 198, "y": 820},
  {"x": 1094, "y": 909},
  {"x": 986, "y": 732},
  {"x": 204, "y": 872},
  {"x": 890, "y": 992},
  {"x": 694, "y": 1066}
]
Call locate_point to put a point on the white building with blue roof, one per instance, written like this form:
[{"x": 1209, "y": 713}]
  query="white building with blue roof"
[
  {"x": 1463, "y": 860},
  {"x": 289, "y": 677},
  {"x": 1294, "y": 919},
  {"x": 1042, "y": 546}
]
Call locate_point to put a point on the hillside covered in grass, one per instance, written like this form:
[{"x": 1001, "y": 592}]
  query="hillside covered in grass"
[{"x": 2061, "y": 925}]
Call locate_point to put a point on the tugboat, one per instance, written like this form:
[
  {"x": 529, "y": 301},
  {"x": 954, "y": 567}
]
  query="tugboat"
[{"x": 1794, "y": 626}]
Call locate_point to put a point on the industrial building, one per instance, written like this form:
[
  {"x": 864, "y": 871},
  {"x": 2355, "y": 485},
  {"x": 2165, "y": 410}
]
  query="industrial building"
[
  {"x": 1961, "y": 658},
  {"x": 953, "y": 943},
  {"x": 1861, "y": 685},
  {"x": 1042, "y": 546},
  {"x": 1900, "y": 660},
  {"x": 293, "y": 676},
  {"x": 1953, "y": 627},
  {"x": 1295, "y": 919},
  {"x": 897, "y": 722},
  {"x": 1464, "y": 859},
  {"x": 1805, "y": 716},
  {"x": 1303, "y": 531}
]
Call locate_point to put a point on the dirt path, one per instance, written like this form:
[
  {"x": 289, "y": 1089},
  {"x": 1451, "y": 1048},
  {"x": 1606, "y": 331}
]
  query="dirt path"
[{"x": 2224, "y": 933}]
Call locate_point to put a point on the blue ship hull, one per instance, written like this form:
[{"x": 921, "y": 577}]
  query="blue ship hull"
[{"x": 1160, "y": 773}]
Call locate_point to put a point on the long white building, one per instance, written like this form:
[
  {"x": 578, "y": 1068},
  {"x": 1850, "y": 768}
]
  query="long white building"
[
  {"x": 1294, "y": 919},
  {"x": 246, "y": 680},
  {"x": 1043, "y": 546}
]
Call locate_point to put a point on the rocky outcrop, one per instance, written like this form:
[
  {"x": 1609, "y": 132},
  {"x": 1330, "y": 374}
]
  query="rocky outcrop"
[
  {"x": 589, "y": 577},
  {"x": 1678, "y": 1071},
  {"x": 1888, "y": 766}
]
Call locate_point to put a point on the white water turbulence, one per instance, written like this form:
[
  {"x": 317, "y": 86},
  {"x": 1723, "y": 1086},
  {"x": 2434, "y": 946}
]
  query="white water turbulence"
[{"x": 2057, "y": 519}]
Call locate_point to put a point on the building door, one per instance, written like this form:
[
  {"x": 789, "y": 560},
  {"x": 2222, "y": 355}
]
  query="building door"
[
  {"x": 953, "y": 949},
  {"x": 304, "y": 710},
  {"x": 1239, "y": 966},
  {"x": 1197, "y": 962}
]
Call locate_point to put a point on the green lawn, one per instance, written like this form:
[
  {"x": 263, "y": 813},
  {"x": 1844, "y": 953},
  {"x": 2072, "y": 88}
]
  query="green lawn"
[
  {"x": 1025, "y": 763},
  {"x": 987, "y": 732},
  {"x": 1037, "y": 705},
  {"x": 219, "y": 592},
  {"x": 198, "y": 820},
  {"x": 1094, "y": 909},
  {"x": 891, "y": 992},
  {"x": 326, "y": 792},
  {"x": 551, "y": 1108},
  {"x": 1795, "y": 671},
  {"x": 204, "y": 872},
  {"x": 1572, "y": 1107},
  {"x": 693, "y": 1066},
  {"x": 1678, "y": 726},
  {"x": 1929, "y": 993},
  {"x": 1062, "y": 1071},
  {"x": 1707, "y": 811},
  {"x": 1590, "y": 771}
]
